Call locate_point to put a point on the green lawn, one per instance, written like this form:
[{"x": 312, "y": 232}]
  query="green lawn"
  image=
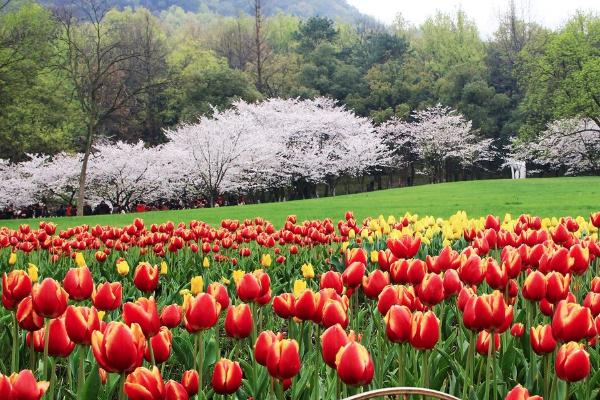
[{"x": 544, "y": 197}]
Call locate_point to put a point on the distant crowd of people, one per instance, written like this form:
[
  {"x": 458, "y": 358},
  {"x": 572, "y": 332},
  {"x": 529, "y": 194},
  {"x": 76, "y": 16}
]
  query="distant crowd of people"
[{"x": 41, "y": 210}]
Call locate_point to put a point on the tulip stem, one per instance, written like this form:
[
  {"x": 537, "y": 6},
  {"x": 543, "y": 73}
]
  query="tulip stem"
[
  {"x": 46, "y": 343},
  {"x": 401, "y": 365},
  {"x": 567, "y": 387},
  {"x": 425, "y": 369},
  {"x": 546, "y": 373},
  {"x": 14, "y": 364},
  {"x": 122, "y": 395},
  {"x": 32, "y": 354},
  {"x": 200, "y": 359},
  {"x": 489, "y": 366},
  {"x": 470, "y": 366},
  {"x": 81, "y": 370},
  {"x": 151, "y": 350}
]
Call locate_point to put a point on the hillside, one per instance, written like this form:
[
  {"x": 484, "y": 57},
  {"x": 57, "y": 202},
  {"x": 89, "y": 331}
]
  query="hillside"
[
  {"x": 334, "y": 9},
  {"x": 546, "y": 197}
]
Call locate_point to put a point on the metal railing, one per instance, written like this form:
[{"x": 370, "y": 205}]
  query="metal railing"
[{"x": 395, "y": 391}]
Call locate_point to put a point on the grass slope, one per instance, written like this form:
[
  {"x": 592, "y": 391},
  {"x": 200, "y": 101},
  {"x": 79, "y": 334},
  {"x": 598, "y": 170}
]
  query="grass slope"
[{"x": 545, "y": 197}]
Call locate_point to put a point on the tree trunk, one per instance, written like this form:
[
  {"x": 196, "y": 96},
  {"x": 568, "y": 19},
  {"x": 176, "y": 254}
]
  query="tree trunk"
[{"x": 83, "y": 172}]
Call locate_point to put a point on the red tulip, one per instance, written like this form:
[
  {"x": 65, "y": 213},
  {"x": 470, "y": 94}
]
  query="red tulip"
[
  {"x": 557, "y": 286},
  {"x": 332, "y": 340},
  {"x": 59, "y": 343},
  {"x": 227, "y": 377},
  {"x": 356, "y": 255},
  {"x": 161, "y": 344},
  {"x": 572, "y": 322},
  {"x": 175, "y": 391},
  {"x": 190, "y": 381},
  {"x": 452, "y": 284},
  {"x": 492, "y": 222},
  {"x": 534, "y": 287},
  {"x": 496, "y": 275},
  {"x": 25, "y": 387},
  {"x": 592, "y": 301},
  {"x": 402, "y": 295},
  {"x": 483, "y": 342},
  {"x": 107, "y": 296},
  {"x": 249, "y": 288},
  {"x": 487, "y": 312},
  {"x": 404, "y": 247},
  {"x": 579, "y": 259},
  {"x": 374, "y": 283},
  {"x": 283, "y": 359},
  {"x": 425, "y": 330},
  {"x": 263, "y": 344},
  {"x": 145, "y": 277},
  {"x": 472, "y": 270},
  {"x": 284, "y": 305},
  {"x": 238, "y": 321},
  {"x": 408, "y": 271},
  {"x": 144, "y": 313},
  {"x": 353, "y": 275},
  {"x": 202, "y": 313},
  {"x": 170, "y": 316},
  {"x": 447, "y": 259},
  {"x": 307, "y": 305},
  {"x": 542, "y": 340},
  {"x": 520, "y": 393},
  {"x": 334, "y": 312},
  {"x": 517, "y": 330},
  {"x": 572, "y": 362},
  {"x": 120, "y": 348},
  {"x": 145, "y": 384},
  {"x": 354, "y": 364},
  {"x": 5, "y": 387},
  {"x": 219, "y": 292},
  {"x": 15, "y": 287},
  {"x": 332, "y": 280},
  {"x": 79, "y": 283},
  {"x": 27, "y": 318},
  {"x": 398, "y": 322},
  {"x": 431, "y": 289},
  {"x": 385, "y": 258},
  {"x": 49, "y": 298},
  {"x": 80, "y": 323}
]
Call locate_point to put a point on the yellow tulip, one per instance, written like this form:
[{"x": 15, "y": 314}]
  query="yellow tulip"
[
  {"x": 32, "y": 271},
  {"x": 344, "y": 246},
  {"x": 225, "y": 281},
  {"x": 197, "y": 284},
  {"x": 12, "y": 259},
  {"x": 299, "y": 287},
  {"x": 123, "y": 268},
  {"x": 374, "y": 256},
  {"x": 79, "y": 260},
  {"x": 351, "y": 234},
  {"x": 205, "y": 262},
  {"x": 101, "y": 315},
  {"x": 164, "y": 268},
  {"x": 187, "y": 296},
  {"x": 265, "y": 260},
  {"x": 237, "y": 276},
  {"x": 308, "y": 271}
]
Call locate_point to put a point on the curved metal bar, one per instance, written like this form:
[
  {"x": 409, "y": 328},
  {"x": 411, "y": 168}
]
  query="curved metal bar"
[{"x": 402, "y": 390}]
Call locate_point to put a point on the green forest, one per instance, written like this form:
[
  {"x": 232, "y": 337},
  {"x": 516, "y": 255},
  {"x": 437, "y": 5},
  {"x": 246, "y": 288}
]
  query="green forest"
[{"x": 127, "y": 70}]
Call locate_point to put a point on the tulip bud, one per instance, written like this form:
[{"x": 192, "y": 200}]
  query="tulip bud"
[
  {"x": 332, "y": 340},
  {"x": 572, "y": 362},
  {"x": 145, "y": 277},
  {"x": 161, "y": 344},
  {"x": 483, "y": 342},
  {"x": 283, "y": 359},
  {"x": 59, "y": 343},
  {"x": 542, "y": 340},
  {"x": 80, "y": 323},
  {"x": 146, "y": 384},
  {"x": 238, "y": 321},
  {"x": 144, "y": 313},
  {"x": 49, "y": 298},
  {"x": 398, "y": 324},
  {"x": 170, "y": 316},
  {"x": 79, "y": 283},
  {"x": 227, "y": 377},
  {"x": 190, "y": 381},
  {"x": 107, "y": 296},
  {"x": 354, "y": 365},
  {"x": 425, "y": 330},
  {"x": 517, "y": 330},
  {"x": 202, "y": 313},
  {"x": 15, "y": 287}
]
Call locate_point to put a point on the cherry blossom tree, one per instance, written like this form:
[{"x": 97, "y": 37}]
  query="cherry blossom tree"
[
  {"x": 571, "y": 146},
  {"x": 18, "y": 187},
  {"x": 437, "y": 139}
]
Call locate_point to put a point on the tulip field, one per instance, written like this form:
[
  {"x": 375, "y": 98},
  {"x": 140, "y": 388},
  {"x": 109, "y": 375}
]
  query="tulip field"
[{"x": 497, "y": 307}]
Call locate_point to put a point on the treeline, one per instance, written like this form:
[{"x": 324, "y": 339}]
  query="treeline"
[{"x": 74, "y": 73}]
